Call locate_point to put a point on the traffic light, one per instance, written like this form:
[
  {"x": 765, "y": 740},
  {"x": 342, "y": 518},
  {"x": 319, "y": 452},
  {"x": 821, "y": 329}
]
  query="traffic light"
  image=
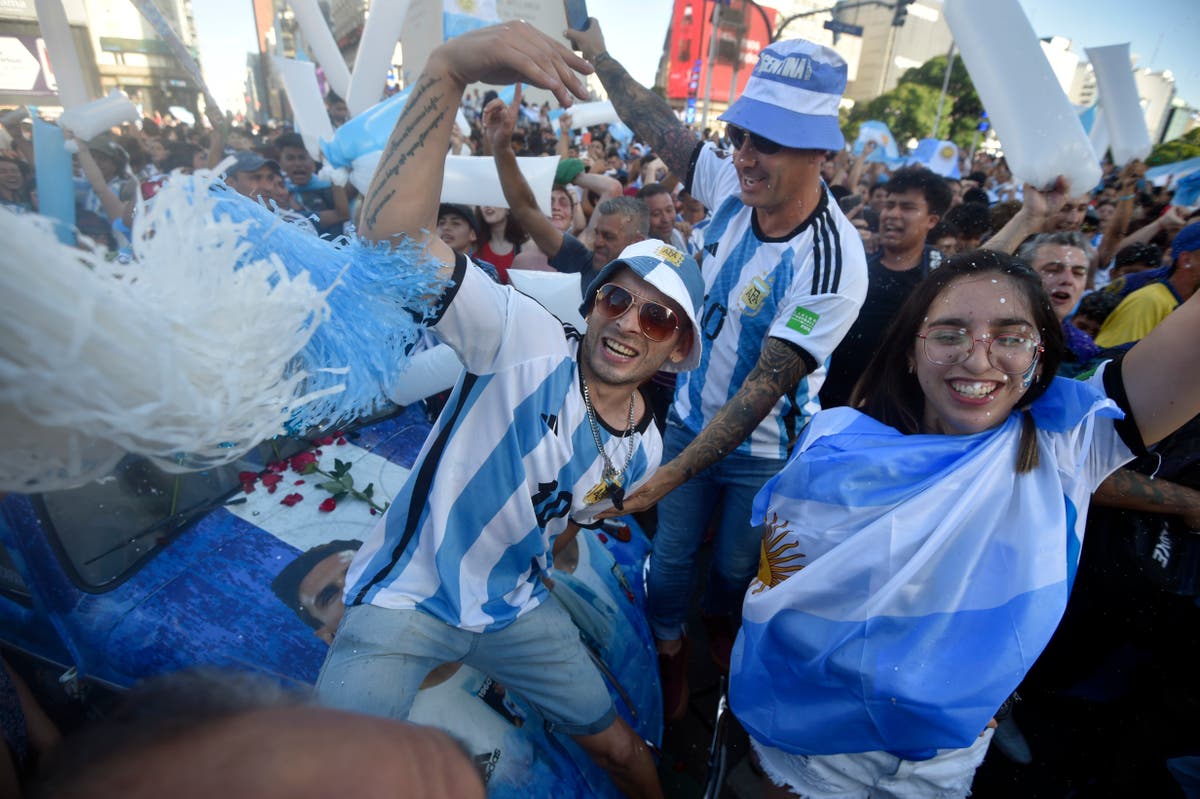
[{"x": 901, "y": 12}]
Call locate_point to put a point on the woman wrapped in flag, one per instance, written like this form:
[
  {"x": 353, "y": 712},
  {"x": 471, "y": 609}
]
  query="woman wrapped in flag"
[{"x": 919, "y": 547}]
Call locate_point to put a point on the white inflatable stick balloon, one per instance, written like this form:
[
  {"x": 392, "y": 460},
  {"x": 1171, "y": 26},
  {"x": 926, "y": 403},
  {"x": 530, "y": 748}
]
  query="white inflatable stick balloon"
[
  {"x": 1037, "y": 125},
  {"x": 1099, "y": 133},
  {"x": 325, "y": 49},
  {"x": 308, "y": 107},
  {"x": 64, "y": 62},
  {"x": 1123, "y": 116},
  {"x": 91, "y": 119},
  {"x": 381, "y": 34},
  {"x": 473, "y": 180},
  {"x": 584, "y": 115}
]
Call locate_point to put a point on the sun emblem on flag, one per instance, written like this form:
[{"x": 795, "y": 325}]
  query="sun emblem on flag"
[{"x": 775, "y": 562}]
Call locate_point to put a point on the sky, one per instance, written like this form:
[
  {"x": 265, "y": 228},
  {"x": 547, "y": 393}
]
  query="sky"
[{"x": 1162, "y": 35}]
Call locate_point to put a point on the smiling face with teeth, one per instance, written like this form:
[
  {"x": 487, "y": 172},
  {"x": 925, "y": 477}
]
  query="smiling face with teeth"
[
  {"x": 615, "y": 353},
  {"x": 972, "y": 396}
]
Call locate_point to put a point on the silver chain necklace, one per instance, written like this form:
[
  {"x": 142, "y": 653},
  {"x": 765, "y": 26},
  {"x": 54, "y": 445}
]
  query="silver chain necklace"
[{"x": 613, "y": 480}]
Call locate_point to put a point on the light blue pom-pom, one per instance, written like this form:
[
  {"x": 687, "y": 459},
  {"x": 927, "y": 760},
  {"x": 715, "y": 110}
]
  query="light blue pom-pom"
[{"x": 381, "y": 296}]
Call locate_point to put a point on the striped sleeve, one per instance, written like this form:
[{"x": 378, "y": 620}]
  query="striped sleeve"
[{"x": 822, "y": 305}]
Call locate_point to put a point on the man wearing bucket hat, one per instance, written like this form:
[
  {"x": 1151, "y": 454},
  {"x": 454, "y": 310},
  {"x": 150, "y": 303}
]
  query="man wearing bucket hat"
[
  {"x": 543, "y": 430},
  {"x": 784, "y": 275}
]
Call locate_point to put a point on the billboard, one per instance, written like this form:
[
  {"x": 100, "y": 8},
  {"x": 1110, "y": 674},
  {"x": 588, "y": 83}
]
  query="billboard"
[{"x": 743, "y": 31}]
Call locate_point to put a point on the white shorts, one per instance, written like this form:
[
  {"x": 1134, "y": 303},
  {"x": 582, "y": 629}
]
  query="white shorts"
[{"x": 878, "y": 775}]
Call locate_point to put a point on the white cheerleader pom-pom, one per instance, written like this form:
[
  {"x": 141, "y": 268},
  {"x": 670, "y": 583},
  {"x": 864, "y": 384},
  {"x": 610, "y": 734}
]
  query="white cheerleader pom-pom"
[{"x": 187, "y": 355}]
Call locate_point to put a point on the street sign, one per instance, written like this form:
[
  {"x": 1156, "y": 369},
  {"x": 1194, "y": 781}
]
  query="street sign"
[{"x": 837, "y": 26}]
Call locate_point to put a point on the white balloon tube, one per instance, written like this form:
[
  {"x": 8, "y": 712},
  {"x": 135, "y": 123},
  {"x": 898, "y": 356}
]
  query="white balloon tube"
[
  {"x": 380, "y": 35},
  {"x": 1099, "y": 134},
  {"x": 64, "y": 61},
  {"x": 1038, "y": 128},
  {"x": 1118, "y": 91},
  {"x": 325, "y": 49},
  {"x": 427, "y": 373},
  {"x": 473, "y": 180},
  {"x": 362, "y": 169},
  {"x": 91, "y": 119},
  {"x": 557, "y": 292},
  {"x": 308, "y": 107},
  {"x": 584, "y": 115}
]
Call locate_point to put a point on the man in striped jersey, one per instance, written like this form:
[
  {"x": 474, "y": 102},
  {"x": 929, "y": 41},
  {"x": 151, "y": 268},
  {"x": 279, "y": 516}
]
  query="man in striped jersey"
[
  {"x": 544, "y": 429},
  {"x": 784, "y": 275}
]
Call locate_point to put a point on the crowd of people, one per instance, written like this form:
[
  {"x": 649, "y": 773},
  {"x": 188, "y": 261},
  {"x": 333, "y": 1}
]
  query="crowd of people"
[{"x": 886, "y": 395}]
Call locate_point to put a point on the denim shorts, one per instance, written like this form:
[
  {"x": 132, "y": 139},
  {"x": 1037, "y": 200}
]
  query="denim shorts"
[
  {"x": 878, "y": 775},
  {"x": 380, "y": 656}
]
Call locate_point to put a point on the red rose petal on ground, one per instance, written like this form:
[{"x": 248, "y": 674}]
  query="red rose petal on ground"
[
  {"x": 291, "y": 499},
  {"x": 603, "y": 538},
  {"x": 277, "y": 466},
  {"x": 341, "y": 440},
  {"x": 248, "y": 477},
  {"x": 298, "y": 482},
  {"x": 301, "y": 460},
  {"x": 248, "y": 488},
  {"x": 374, "y": 512},
  {"x": 328, "y": 505},
  {"x": 325, "y": 441}
]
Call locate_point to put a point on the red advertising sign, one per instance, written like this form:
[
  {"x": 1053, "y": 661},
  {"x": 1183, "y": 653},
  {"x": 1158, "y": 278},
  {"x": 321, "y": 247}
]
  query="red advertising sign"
[{"x": 744, "y": 30}]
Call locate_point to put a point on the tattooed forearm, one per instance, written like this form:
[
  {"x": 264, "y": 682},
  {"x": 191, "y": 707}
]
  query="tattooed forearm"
[
  {"x": 420, "y": 118},
  {"x": 648, "y": 114},
  {"x": 1132, "y": 490},
  {"x": 778, "y": 371}
]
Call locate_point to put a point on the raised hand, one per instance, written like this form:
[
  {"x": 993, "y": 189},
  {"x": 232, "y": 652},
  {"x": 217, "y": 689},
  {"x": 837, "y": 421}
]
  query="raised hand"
[
  {"x": 511, "y": 52},
  {"x": 499, "y": 121}
]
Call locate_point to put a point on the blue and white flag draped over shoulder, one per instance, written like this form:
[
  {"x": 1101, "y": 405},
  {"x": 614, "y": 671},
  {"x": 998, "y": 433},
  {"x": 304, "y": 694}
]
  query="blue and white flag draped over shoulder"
[{"x": 908, "y": 582}]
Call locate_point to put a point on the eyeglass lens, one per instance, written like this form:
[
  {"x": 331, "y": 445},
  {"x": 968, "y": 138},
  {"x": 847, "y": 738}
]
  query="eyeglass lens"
[
  {"x": 765, "y": 146},
  {"x": 656, "y": 321},
  {"x": 1011, "y": 354}
]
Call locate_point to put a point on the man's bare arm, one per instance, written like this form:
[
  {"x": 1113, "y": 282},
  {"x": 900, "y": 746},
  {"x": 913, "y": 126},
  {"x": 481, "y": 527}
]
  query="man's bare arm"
[
  {"x": 499, "y": 121},
  {"x": 641, "y": 109},
  {"x": 1130, "y": 490},
  {"x": 780, "y": 369},
  {"x": 404, "y": 194}
]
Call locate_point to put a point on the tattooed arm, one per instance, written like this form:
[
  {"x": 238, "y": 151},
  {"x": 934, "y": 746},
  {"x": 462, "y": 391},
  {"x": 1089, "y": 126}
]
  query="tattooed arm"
[
  {"x": 779, "y": 370},
  {"x": 641, "y": 109},
  {"x": 404, "y": 194},
  {"x": 1130, "y": 490}
]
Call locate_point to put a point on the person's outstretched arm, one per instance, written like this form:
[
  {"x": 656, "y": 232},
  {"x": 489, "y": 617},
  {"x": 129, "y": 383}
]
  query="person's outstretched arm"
[
  {"x": 499, "y": 121},
  {"x": 1162, "y": 371},
  {"x": 404, "y": 194},
  {"x": 1036, "y": 211},
  {"x": 641, "y": 109}
]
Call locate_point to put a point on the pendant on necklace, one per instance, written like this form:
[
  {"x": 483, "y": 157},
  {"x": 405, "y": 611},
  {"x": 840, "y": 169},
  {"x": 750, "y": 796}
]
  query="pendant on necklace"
[{"x": 609, "y": 487}]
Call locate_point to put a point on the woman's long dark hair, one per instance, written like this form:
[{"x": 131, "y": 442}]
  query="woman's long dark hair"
[
  {"x": 514, "y": 234},
  {"x": 889, "y": 392}
]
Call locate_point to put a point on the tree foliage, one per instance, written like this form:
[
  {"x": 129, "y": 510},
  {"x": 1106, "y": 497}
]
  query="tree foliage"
[
  {"x": 1185, "y": 147},
  {"x": 911, "y": 108}
]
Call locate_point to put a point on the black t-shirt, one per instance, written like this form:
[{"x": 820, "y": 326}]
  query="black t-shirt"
[
  {"x": 575, "y": 259},
  {"x": 886, "y": 291}
]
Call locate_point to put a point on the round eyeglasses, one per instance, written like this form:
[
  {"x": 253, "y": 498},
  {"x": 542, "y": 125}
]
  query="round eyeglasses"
[{"x": 1011, "y": 353}]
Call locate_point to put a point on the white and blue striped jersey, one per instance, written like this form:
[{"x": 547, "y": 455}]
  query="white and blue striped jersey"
[
  {"x": 805, "y": 288},
  {"x": 508, "y": 463}
]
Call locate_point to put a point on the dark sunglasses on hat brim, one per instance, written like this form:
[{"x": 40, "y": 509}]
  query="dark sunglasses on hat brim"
[
  {"x": 657, "y": 321},
  {"x": 761, "y": 144}
]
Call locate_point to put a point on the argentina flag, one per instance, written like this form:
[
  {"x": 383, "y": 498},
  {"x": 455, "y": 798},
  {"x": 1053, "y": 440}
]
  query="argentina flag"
[{"x": 908, "y": 582}]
